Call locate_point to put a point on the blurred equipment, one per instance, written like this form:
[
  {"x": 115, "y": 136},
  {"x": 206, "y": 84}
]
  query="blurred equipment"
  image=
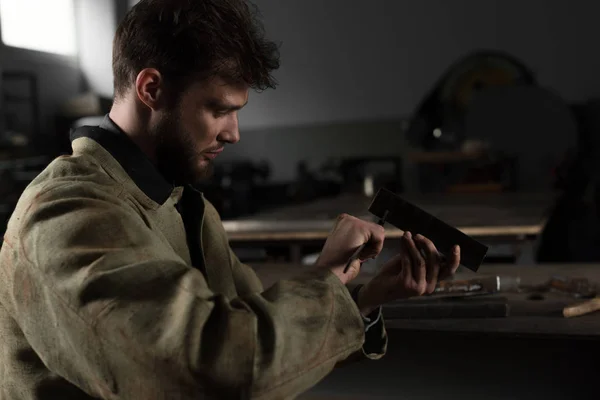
[
  {"x": 21, "y": 113},
  {"x": 577, "y": 287},
  {"x": 15, "y": 175},
  {"x": 438, "y": 123},
  {"x": 474, "y": 169},
  {"x": 360, "y": 175},
  {"x": 572, "y": 231},
  {"x": 239, "y": 188},
  {"x": 23, "y": 152},
  {"x": 532, "y": 124},
  {"x": 452, "y": 157},
  {"x": 363, "y": 174},
  {"x": 311, "y": 185},
  {"x": 348, "y": 175}
]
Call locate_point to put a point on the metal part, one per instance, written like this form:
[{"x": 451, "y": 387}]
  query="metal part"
[
  {"x": 584, "y": 308},
  {"x": 579, "y": 287},
  {"x": 477, "y": 286},
  {"x": 408, "y": 217}
]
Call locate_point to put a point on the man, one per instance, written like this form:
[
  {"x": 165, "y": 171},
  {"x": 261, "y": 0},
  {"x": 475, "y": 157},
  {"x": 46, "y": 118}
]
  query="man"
[{"x": 118, "y": 283}]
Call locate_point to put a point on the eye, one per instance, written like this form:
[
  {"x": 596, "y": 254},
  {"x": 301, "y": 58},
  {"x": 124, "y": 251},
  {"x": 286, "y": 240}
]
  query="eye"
[{"x": 221, "y": 113}]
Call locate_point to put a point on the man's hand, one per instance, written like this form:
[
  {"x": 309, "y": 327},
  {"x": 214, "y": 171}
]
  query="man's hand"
[
  {"x": 348, "y": 234},
  {"x": 415, "y": 271}
]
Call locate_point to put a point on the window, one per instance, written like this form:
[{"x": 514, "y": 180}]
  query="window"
[{"x": 43, "y": 25}]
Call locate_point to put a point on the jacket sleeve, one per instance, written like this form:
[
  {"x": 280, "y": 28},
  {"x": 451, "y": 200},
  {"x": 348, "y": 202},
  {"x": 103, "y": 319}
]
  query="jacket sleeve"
[
  {"x": 110, "y": 307},
  {"x": 245, "y": 278},
  {"x": 376, "y": 339}
]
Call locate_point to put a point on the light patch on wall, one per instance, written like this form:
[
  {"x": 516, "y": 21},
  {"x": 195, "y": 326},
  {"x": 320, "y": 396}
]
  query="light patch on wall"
[{"x": 41, "y": 25}]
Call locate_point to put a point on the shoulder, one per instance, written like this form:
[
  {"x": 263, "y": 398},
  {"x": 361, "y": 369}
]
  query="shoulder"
[
  {"x": 75, "y": 171},
  {"x": 67, "y": 185},
  {"x": 79, "y": 175}
]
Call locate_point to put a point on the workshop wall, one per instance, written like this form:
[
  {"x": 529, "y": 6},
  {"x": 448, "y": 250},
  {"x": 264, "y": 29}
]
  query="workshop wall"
[
  {"x": 58, "y": 78},
  {"x": 61, "y": 77},
  {"x": 96, "y": 28},
  {"x": 345, "y": 61},
  {"x": 349, "y": 60},
  {"x": 352, "y": 61},
  {"x": 345, "y": 64}
]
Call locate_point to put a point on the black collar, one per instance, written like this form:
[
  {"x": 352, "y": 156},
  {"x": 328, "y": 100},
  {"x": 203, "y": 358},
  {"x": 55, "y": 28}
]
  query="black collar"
[{"x": 139, "y": 168}]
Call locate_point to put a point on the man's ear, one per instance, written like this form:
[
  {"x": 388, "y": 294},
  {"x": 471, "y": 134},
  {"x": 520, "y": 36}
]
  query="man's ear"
[{"x": 149, "y": 87}]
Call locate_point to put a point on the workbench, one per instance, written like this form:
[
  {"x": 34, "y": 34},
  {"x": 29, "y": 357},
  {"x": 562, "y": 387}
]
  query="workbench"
[
  {"x": 535, "y": 353},
  {"x": 528, "y": 317},
  {"x": 496, "y": 218}
]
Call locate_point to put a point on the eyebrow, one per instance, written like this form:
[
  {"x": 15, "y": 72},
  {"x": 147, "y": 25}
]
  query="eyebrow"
[{"x": 218, "y": 105}]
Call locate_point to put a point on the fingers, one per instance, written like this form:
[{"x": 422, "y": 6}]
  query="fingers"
[
  {"x": 433, "y": 260},
  {"x": 374, "y": 237},
  {"x": 418, "y": 263},
  {"x": 355, "y": 232},
  {"x": 374, "y": 242},
  {"x": 349, "y": 234},
  {"x": 438, "y": 266},
  {"x": 451, "y": 263}
]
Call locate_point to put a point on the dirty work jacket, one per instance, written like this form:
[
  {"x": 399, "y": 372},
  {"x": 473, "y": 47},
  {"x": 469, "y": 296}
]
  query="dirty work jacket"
[{"x": 99, "y": 298}]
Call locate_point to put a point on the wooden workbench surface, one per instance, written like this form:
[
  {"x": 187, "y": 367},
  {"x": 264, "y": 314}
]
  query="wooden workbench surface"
[
  {"x": 539, "y": 318},
  {"x": 496, "y": 214}
]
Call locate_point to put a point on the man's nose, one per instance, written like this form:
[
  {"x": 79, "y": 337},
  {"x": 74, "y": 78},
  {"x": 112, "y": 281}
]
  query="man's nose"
[{"x": 231, "y": 133}]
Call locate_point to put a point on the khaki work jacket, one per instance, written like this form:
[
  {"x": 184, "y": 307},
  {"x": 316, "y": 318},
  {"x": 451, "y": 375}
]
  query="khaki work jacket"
[{"x": 99, "y": 299}]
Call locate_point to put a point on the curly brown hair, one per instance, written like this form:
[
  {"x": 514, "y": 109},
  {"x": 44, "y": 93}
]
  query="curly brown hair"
[{"x": 187, "y": 40}]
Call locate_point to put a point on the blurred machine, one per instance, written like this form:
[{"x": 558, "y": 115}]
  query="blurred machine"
[
  {"x": 447, "y": 159},
  {"x": 347, "y": 175},
  {"x": 23, "y": 152},
  {"x": 241, "y": 187},
  {"x": 572, "y": 231},
  {"x": 364, "y": 174},
  {"x": 439, "y": 121}
]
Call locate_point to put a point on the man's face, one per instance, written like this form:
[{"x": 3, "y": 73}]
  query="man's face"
[{"x": 192, "y": 133}]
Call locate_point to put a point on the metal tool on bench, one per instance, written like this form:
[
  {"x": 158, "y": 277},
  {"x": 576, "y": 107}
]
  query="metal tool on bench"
[
  {"x": 462, "y": 298},
  {"x": 476, "y": 286},
  {"x": 408, "y": 217},
  {"x": 583, "y": 308},
  {"x": 581, "y": 288},
  {"x": 578, "y": 287}
]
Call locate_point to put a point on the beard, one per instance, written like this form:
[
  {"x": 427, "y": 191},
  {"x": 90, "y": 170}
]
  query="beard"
[{"x": 176, "y": 155}]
